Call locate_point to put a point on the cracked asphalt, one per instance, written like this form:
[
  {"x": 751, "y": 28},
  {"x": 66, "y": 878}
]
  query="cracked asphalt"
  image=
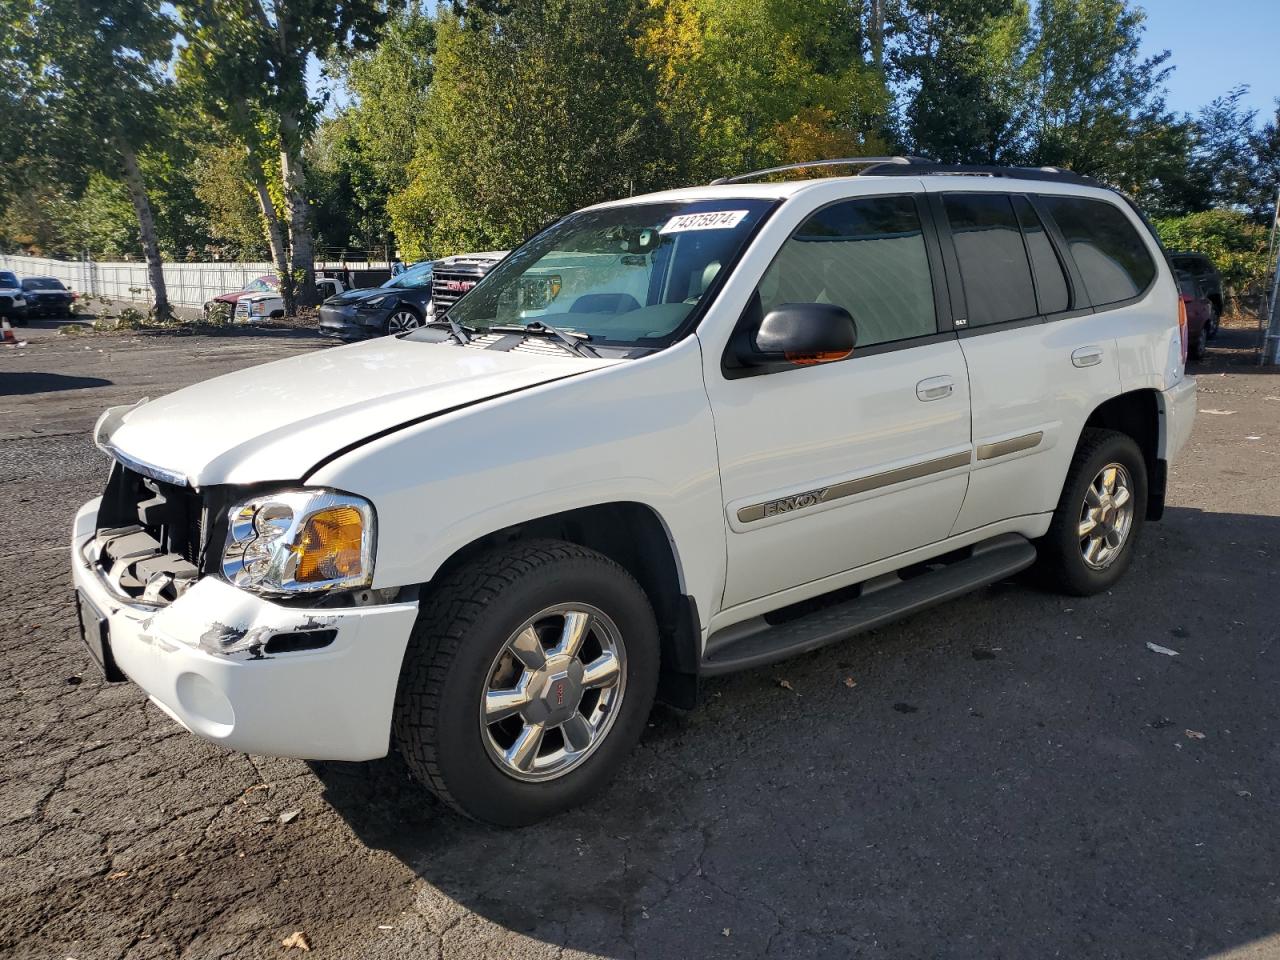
[{"x": 1015, "y": 774}]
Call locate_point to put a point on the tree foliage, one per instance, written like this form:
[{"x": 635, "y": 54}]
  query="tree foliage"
[
  {"x": 1237, "y": 246},
  {"x": 546, "y": 109}
]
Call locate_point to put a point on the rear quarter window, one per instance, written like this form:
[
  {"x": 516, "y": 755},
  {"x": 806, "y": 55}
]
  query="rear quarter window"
[{"x": 1112, "y": 258}]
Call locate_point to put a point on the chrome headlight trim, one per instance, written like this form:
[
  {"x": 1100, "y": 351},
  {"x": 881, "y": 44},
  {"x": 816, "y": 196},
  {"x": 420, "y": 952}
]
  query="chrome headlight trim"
[{"x": 260, "y": 554}]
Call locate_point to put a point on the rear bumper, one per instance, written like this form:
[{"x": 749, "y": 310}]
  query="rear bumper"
[
  {"x": 333, "y": 703},
  {"x": 1178, "y": 404}
]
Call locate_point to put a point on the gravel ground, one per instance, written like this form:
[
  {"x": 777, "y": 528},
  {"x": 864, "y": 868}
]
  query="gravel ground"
[{"x": 1015, "y": 774}]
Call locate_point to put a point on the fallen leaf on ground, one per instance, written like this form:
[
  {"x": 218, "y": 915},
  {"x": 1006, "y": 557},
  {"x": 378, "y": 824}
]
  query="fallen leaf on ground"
[
  {"x": 1156, "y": 648},
  {"x": 905, "y": 707},
  {"x": 119, "y": 874},
  {"x": 785, "y": 685},
  {"x": 1218, "y": 413},
  {"x": 725, "y": 931},
  {"x": 289, "y": 816},
  {"x": 1195, "y": 734},
  {"x": 850, "y": 682},
  {"x": 296, "y": 941}
]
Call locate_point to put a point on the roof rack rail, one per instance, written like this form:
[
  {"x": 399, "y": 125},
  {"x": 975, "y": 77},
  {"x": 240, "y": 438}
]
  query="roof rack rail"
[
  {"x": 926, "y": 168},
  {"x": 836, "y": 162}
]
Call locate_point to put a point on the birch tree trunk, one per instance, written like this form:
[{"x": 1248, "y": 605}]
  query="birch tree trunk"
[
  {"x": 275, "y": 230},
  {"x": 302, "y": 250},
  {"x": 147, "y": 229},
  {"x": 877, "y": 33}
]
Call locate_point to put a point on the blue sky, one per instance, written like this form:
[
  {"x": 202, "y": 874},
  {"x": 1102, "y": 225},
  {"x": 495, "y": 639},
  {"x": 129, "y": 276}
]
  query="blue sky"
[{"x": 1216, "y": 45}]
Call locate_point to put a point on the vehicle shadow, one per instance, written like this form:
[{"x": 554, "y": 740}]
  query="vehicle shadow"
[
  {"x": 1014, "y": 774},
  {"x": 21, "y": 384}
]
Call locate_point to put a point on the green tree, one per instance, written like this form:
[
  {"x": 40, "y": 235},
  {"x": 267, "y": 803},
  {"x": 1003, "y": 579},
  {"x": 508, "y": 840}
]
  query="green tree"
[
  {"x": 233, "y": 220},
  {"x": 1096, "y": 104},
  {"x": 744, "y": 84},
  {"x": 962, "y": 67},
  {"x": 531, "y": 114},
  {"x": 1237, "y": 246},
  {"x": 272, "y": 41},
  {"x": 95, "y": 72},
  {"x": 1265, "y": 145}
]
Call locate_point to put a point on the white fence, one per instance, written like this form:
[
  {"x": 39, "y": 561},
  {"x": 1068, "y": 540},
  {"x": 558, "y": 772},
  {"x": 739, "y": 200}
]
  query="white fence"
[{"x": 188, "y": 284}]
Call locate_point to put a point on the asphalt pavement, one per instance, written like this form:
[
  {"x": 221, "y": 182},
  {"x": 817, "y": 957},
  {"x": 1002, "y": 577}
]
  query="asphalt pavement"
[{"x": 1016, "y": 774}]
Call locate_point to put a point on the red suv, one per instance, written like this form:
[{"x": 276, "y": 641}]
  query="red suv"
[
  {"x": 260, "y": 285},
  {"x": 1199, "y": 315}
]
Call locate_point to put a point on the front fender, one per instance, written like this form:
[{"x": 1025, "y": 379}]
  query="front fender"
[{"x": 639, "y": 431}]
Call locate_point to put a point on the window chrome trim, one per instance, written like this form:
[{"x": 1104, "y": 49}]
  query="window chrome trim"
[
  {"x": 849, "y": 488},
  {"x": 1002, "y": 448}
]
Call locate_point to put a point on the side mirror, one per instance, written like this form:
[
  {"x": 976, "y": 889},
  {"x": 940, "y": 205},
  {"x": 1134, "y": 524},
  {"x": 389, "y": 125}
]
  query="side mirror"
[{"x": 799, "y": 335}]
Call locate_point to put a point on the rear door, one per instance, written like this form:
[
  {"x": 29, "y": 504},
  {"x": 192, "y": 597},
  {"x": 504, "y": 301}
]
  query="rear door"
[
  {"x": 825, "y": 468},
  {"x": 1040, "y": 360}
]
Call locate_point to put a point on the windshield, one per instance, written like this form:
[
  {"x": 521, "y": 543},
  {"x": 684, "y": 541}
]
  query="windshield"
[
  {"x": 630, "y": 274},
  {"x": 42, "y": 283},
  {"x": 8, "y": 279},
  {"x": 419, "y": 275}
]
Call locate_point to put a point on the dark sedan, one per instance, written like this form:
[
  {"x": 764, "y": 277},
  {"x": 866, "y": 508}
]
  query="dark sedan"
[
  {"x": 399, "y": 304},
  {"x": 47, "y": 297}
]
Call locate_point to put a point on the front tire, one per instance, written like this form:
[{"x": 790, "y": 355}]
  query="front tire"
[
  {"x": 529, "y": 677},
  {"x": 1091, "y": 539},
  {"x": 402, "y": 319}
]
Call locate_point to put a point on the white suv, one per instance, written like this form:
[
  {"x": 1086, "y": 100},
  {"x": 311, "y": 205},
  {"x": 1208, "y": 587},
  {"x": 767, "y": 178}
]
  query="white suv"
[{"x": 783, "y": 413}]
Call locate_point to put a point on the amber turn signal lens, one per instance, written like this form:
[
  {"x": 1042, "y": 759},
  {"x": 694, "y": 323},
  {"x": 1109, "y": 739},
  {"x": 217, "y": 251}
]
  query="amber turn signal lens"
[
  {"x": 809, "y": 359},
  {"x": 329, "y": 547}
]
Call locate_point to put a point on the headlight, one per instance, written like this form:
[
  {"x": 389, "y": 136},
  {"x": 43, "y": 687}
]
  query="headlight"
[
  {"x": 300, "y": 541},
  {"x": 375, "y": 302}
]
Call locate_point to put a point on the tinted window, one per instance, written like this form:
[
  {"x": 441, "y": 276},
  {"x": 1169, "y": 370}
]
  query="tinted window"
[
  {"x": 993, "y": 260},
  {"x": 8, "y": 279},
  {"x": 1051, "y": 283},
  {"x": 867, "y": 256},
  {"x": 1114, "y": 262},
  {"x": 42, "y": 283}
]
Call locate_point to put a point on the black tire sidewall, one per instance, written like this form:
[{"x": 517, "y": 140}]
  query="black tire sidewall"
[
  {"x": 1065, "y": 559},
  {"x": 474, "y": 780}
]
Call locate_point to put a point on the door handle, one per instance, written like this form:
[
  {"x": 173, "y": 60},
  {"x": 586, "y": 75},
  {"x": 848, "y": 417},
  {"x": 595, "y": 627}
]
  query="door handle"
[
  {"x": 1086, "y": 356},
  {"x": 935, "y": 388}
]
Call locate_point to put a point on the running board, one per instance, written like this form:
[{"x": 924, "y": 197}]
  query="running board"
[{"x": 798, "y": 629}]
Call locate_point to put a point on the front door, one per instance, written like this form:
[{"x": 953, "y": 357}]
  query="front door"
[{"x": 825, "y": 468}]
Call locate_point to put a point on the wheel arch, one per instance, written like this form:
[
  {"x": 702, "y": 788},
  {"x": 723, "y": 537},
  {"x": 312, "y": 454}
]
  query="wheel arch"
[
  {"x": 1138, "y": 414},
  {"x": 633, "y": 535}
]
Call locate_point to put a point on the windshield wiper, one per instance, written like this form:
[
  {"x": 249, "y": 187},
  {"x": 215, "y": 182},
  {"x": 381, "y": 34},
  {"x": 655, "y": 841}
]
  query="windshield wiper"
[
  {"x": 576, "y": 342},
  {"x": 457, "y": 330}
]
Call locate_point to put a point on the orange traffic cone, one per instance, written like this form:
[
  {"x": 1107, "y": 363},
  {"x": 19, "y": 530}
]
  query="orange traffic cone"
[{"x": 7, "y": 335}]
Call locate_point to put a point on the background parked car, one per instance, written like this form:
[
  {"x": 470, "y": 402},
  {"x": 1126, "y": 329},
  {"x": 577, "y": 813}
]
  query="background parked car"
[
  {"x": 1201, "y": 268},
  {"x": 13, "y": 302},
  {"x": 47, "y": 297},
  {"x": 399, "y": 304},
  {"x": 1199, "y": 314},
  {"x": 263, "y": 306},
  {"x": 265, "y": 284}
]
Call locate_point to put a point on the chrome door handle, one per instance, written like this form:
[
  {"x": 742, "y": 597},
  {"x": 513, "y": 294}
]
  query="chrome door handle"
[
  {"x": 1086, "y": 357},
  {"x": 935, "y": 388}
]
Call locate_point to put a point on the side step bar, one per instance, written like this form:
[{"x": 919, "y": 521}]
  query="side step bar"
[{"x": 877, "y": 602}]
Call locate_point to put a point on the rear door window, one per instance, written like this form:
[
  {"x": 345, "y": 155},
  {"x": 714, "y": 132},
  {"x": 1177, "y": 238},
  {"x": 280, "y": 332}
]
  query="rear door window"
[
  {"x": 993, "y": 259},
  {"x": 1113, "y": 261},
  {"x": 867, "y": 255},
  {"x": 1052, "y": 293}
]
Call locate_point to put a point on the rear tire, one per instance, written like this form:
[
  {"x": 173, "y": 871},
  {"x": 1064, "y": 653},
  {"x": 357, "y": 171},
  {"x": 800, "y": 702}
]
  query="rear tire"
[
  {"x": 1091, "y": 539},
  {"x": 1199, "y": 345},
  {"x": 471, "y": 641}
]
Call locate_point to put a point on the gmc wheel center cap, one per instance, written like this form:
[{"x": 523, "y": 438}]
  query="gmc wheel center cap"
[{"x": 560, "y": 690}]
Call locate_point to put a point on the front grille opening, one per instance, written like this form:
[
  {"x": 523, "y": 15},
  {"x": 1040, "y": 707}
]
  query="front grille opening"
[{"x": 151, "y": 536}]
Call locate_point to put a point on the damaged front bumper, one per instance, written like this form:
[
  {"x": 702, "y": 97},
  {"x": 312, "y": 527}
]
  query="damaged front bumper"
[{"x": 252, "y": 675}]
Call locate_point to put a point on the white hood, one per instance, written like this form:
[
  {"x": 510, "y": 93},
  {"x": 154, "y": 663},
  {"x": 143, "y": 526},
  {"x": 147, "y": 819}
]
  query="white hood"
[{"x": 278, "y": 420}]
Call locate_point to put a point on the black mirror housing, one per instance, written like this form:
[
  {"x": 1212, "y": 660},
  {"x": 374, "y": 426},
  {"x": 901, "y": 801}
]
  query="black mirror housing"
[{"x": 798, "y": 335}]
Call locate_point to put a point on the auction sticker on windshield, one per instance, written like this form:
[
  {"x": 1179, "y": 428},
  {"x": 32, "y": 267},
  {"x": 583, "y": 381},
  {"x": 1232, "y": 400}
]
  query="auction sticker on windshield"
[{"x": 711, "y": 220}]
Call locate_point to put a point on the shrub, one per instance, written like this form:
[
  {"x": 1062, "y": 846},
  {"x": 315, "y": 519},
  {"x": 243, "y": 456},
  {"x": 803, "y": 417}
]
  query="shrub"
[{"x": 1237, "y": 247}]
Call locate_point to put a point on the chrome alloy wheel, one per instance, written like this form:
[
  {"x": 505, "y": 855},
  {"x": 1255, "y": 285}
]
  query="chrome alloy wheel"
[
  {"x": 553, "y": 692},
  {"x": 1106, "y": 517},
  {"x": 403, "y": 320}
]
